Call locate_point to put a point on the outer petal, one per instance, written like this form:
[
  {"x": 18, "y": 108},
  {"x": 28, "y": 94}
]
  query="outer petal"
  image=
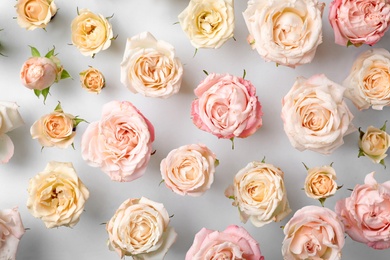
[{"x": 6, "y": 148}]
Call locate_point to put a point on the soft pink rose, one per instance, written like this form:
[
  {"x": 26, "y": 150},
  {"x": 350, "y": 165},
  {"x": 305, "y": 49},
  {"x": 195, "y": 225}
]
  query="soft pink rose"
[
  {"x": 39, "y": 73},
  {"x": 11, "y": 231},
  {"x": 232, "y": 243},
  {"x": 366, "y": 213},
  {"x": 313, "y": 233},
  {"x": 358, "y": 22},
  {"x": 227, "y": 106},
  {"x": 120, "y": 143}
]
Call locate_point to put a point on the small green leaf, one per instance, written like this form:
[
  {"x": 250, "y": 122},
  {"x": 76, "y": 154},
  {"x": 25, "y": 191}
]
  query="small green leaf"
[
  {"x": 114, "y": 38},
  {"x": 361, "y": 133},
  {"x": 58, "y": 108},
  {"x": 322, "y": 201},
  {"x": 232, "y": 197},
  {"x": 73, "y": 146},
  {"x": 383, "y": 128},
  {"x": 383, "y": 163},
  {"x": 37, "y": 92},
  {"x": 307, "y": 168},
  {"x": 44, "y": 93},
  {"x": 232, "y": 139},
  {"x": 349, "y": 43},
  {"x": 331, "y": 164},
  {"x": 339, "y": 187},
  {"x": 243, "y": 76},
  {"x": 263, "y": 161},
  {"x": 205, "y": 72},
  {"x": 216, "y": 162},
  {"x": 34, "y": 52},
  {"x": 196, "y": 51},
  {"x": 77, "y": 10},
  {"x": 77, "y": 121},
  {"x": 162, "y": 181},
  {"x": 50, "y": 53},
  {"x": 65, "y": 74},
  {"x": 361, "y": 153},
  {"x": 234, "y": 38}
]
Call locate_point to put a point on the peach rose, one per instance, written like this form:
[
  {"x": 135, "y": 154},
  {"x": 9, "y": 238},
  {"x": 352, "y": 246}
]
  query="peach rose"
[
  {"x": 226, "y": 106},
  {"x": 32, "y": 14},
  {"x": 287, "y": 32},
  {"x": 374, "y": 144},
  {"x": 358, "y": 22},
  {"x": 365, "y": 213},
  {"x": 189, "y": 169},
  {"x": 259, "y": 193},
  {"x": 150, "y": 67},
  {"x": 11, "y": 231},
  {"x": 91, "y": 33},
  {"x": 315, "y": 115},
  {"x": 368, "y": 83},
  {"x": 120, "y": 143},
  {"x": 39, "y": 73},
  {"x": 313, "y": 233},
  {"x": 57, "y": 195},
  {"x": 320, "y": 182},
  {"x": 92, "y": 80},
  {"x": 147, "y": 232},
  {"x": 232, "y": 243}
]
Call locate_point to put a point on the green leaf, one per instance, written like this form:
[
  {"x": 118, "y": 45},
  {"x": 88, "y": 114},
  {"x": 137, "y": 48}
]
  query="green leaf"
[
  {"x": 77, "y": 121},
  {"x": 58, "y": 108},
  {"x": 205, "y": 72},
  {"x": 37, "y": 92},
  {"x": 50, "y": 53},
  {"x": 34, "y": 52},
  {"x": 263, "y": 161},
  {"x": 44, "y": 93},
  {"x": 322, "y": 201},
  {"x": 65, "y": 74},
  {"x": 383, "y": 128},
  {"x": 232, "y": 139},
  {"x": 307, "y": 168},
  {"x": 243, "y": 76},
  {"x": 361, "y": 153}
]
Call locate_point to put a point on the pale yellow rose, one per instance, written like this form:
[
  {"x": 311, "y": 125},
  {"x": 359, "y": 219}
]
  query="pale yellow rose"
[
  {"x": 92, "y": 80},
  {"x": 320, "y": 182},
  {"x": 374, "y": 144},
  {"x": 32, "y": 14},
  {"x": 57, "y": 195},
  {"x": 91, "y": 32}
]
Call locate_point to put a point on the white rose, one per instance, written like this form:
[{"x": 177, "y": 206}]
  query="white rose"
[
  {"x": 315, "y": 115},
  {"x": 11, "y": 231},
  {"x": 260, "y": 194},
  {"x": 285, "y": 31},
  {"x": 374, "y": 144},
  {"x": 320, "y": 182},
  {"x": 208, "y": 23},
  {"x": 150, "y": 67},
  {"x": 32, "y": 14},
  {"x": 368, "y": 83}
]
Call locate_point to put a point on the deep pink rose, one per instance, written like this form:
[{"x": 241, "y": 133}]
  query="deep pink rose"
[
  {"x": 227, "y": 106},
  {"x": 363, "y": 21},
  {"x": 39, "y": 73},
  {"x": 366, "y": 213},
  {"x": 232, "y": 243},
  {"x": 11, "y": 231},
  {"x": 120, "y": 143}
]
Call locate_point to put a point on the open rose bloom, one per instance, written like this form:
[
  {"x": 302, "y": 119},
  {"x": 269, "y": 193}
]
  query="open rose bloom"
[
  {"x": 226, "y": 106},
  {"x": 315, "y": 115},
  {"x": 365, "y": 213},
  {"x": 374, "y": 144},
  {"x": 140, "y": 228},
  {"x": 92, "y": 80},
  {"x": 320, "y": 182},
  {"x": 32, "y": 14},
  {"x": 11, "y": 231},
  {"x": 232, "y": 243},
  {"x": 313, "y": 233},
  {"x": 120, "y": 143},
  {"x": 189, "y": 169},
  {"x": 208, "y": 23},
  {"x": 359, "y": 22},
  {"x": 259, "y": 193},
  {"x": 150, "y": 67},
  {"x": 287, "y": 32}
]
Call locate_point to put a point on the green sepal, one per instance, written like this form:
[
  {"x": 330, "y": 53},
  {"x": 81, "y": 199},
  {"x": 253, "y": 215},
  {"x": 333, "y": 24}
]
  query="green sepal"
[
  {"x": 263, "y": 161},
  {"x": 232, "y": 140},
  {"x": 196, "y": 51},
  {"x": 73, "y": 146},
  {"x": 216, "y": 162},
  {"x": 43, "y": 92},
  {"x": 383, "y": 163},
  {"x": 307, "y": 168},
  {"x": 339, "y": 187},
  {"x": 205, "y": 72},
  {"x": 58, "y": 108},
  {"x": 349, "y": 43},
  {"x": 232, "y": 198},
  {"x": 383, "y": 128},
  {"x": 162, "y": 181},
  {"x": 50, "y": 53},
  {"x": 65, "y": 74},
  {"x": 34, "y": 52},
  {"x": 361, "y": 133},
  {"x": 243, "y": 76},
  {"x": 77, "y": 121},
  {"x": 361, "y": 153},
  {"x": 322, "y": 201}
]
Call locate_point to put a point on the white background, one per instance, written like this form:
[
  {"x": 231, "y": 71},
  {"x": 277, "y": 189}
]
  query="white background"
[{"x": 173, "y": 125}]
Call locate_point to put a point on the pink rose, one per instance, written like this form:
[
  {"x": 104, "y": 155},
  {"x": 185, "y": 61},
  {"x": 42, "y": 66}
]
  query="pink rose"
[
  {"x": 39, "y": 73},
  {"x": 366, "y": 213},
  {"x": 120, "y": 143},
  {"x": 313, "y": 233},
  {"x": 232, "y": 243},
  {"x": 227, "y": 106},
  {"x": 11, "y": 231},
  {"x": 359, "y": 22}
]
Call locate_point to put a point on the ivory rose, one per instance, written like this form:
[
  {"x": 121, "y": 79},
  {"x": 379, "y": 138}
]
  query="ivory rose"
[
  {"x": 315, "y": 115},
  {"x": 189, "y": 169},
  {"x": 9, "y": 120},
  {"x": 150, "y": 67},
  {"x": 374, "y": 143},
  {"x": 259, "y": 193},
  {"x": 11, "y": 231},
  {"x": 313, "y": 233},
  {"x": 368, "y": 83},
  {"x": 320, "y": 182},
  {"x": 56, "y": 195},
  {"x": 120, "y": 143},
  {"x": 92, "y": 80},
  {"x": 32, "y": 14},
  {"x": 287, "y": 32},
  {"x": 232, "y": 243},
  {"x": 226, "y": 106},
  {"x": 365, "y": 213},
  {"x": 140, "y": 228},
  {"x": 359, "y": 22},
  {"x": 91, "y": 33},
  {"x": 208, "y": 23}
]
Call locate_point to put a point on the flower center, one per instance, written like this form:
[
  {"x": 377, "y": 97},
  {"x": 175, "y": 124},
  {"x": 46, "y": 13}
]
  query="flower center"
[{"x": 208, "y": 21}]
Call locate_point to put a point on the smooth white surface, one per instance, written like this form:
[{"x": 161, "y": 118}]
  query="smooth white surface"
[{"x": 173, "y": 125}]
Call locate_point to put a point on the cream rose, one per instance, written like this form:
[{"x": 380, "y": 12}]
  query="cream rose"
[
  {"x": 92, "y": 80},
  {"x": 189, "y": 169},
  {"x": 320, "y": 182},
  {"x": 57, "y": 195},
  {"x": 32, "y": 14},
  {"x": 259, "y": 193},
  {"x": 374, "y": 144},
  {"x": 91, "y": 33},
  {"x": 150, "y": 67},
  {"x": 287, "y": 32},
  {"x": 140, "y": 228},
  {"x": 11, "y": 231},
  {"x": 208, "y": 23},
  {"x": 315, "y": 115},
  {"x": 368, "y": 83}
]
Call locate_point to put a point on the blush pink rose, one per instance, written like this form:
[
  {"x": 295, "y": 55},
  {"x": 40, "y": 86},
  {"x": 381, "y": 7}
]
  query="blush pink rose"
[
  {"x": 359, "y": 22},
  {"x": 232, "y": 243},
  {"x": 120, "y": 143},
  {"x": 39, "y": 73},
  {"x": 366, "y": 213},
  {"x": 11, "y": 231},
  {"x": 226, "y": 106}
]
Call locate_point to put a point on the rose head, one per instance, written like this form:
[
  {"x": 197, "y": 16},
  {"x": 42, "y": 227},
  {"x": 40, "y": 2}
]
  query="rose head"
[
  {"x": 120, "y": 143},
  {"x": 374, "y": 144},
  {"x": 232, "y": 243},
  {"x": 92, "y": 80},
  {"x": 11, "y": 231},
  {"x": 32, "y": 14},
  {"x": 226, "y": 106},
  {"x": 39, "y": 73},
  {"x": 365, "y": 213},
  {"x": 320, "y": 182}
]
